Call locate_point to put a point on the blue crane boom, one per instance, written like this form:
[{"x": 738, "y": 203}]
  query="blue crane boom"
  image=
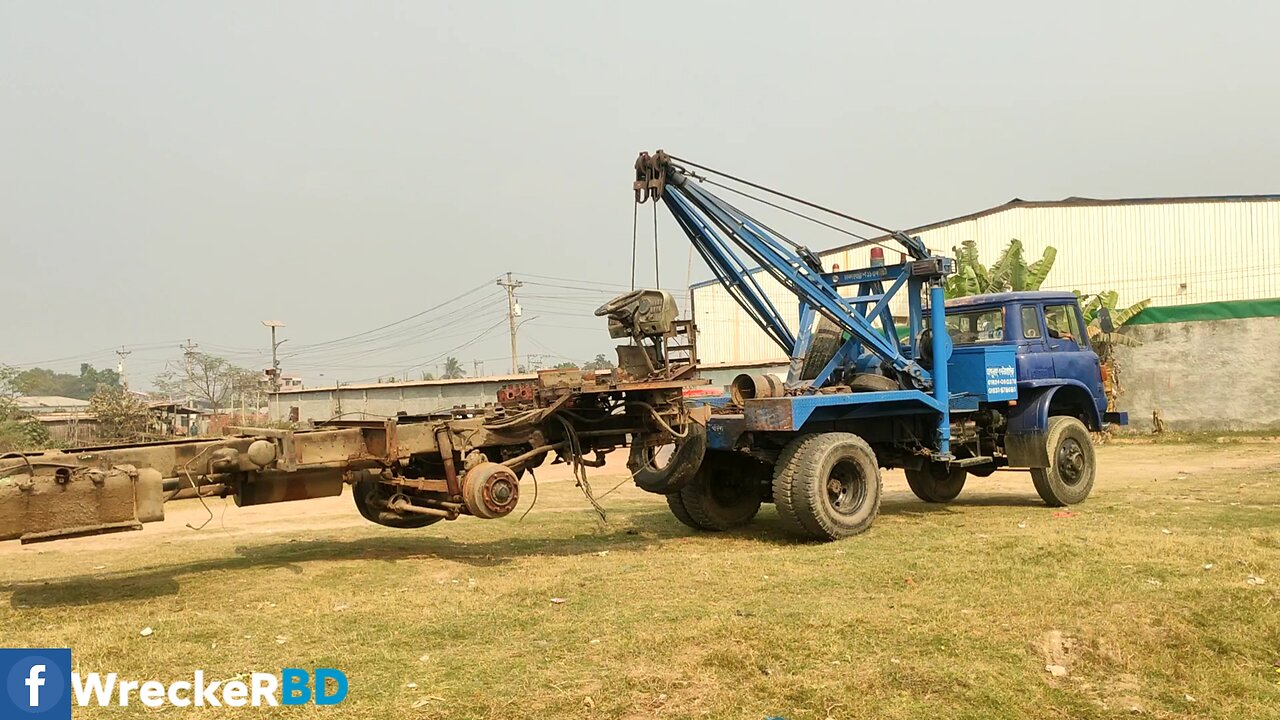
[{"x": 716, "y": 227}]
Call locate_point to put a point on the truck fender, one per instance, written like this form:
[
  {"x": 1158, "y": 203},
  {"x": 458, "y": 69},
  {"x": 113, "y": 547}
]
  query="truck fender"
[{"x": 1024, "y": 440}]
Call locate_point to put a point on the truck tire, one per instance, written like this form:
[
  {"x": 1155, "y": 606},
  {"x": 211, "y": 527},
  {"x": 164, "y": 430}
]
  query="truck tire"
[
  {"x": 870, "y": 382},
  {"x": 1072, "y": 465},
  {"x": 677, "y": 470},
  {"x": 827, "y": 485},
  {"x": 725, "y": 493},
  {"x": 827, "y": 339},
  {"x": 936, "y": 482},
  {"x": 676, "y": 504},
  {"x": 361, "y": 492}
]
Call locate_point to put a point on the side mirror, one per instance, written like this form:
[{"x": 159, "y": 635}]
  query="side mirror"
[{"x": 1104, "y": 320}]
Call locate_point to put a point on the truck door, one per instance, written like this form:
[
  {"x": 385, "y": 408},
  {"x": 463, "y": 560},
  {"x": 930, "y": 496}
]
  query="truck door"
[
  {"x": 1034, "y": 360},
  {"x": 1072, "y": 357}
]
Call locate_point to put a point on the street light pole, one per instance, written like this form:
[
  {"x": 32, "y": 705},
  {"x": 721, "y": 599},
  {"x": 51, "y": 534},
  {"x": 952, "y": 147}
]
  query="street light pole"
[{"x": 275, "y": 358}]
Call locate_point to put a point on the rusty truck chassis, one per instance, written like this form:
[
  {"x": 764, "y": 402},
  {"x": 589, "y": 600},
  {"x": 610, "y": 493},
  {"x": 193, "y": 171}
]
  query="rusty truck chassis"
[{"x": 405, "y": 472}]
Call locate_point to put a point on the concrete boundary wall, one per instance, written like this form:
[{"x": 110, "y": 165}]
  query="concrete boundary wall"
[{"x": 1203, "y": 375}]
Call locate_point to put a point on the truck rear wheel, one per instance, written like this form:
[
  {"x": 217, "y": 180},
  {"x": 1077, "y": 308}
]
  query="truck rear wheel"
[
  {"x": 725, "y": 493},
  {"x": 676, "y": 504},
  {"x": 1072, "y": 465},
  {"x": 827, "y": 486},
  {"x": 370, "y": 494},
  {"x": 936, "y": 482}
]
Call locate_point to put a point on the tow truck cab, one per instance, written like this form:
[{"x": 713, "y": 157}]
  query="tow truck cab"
[{"x": 1058, "y": 372}]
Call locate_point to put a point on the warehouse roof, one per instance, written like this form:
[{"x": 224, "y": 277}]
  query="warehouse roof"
[
  {"x": 1073, "y": 201},
  {"x": 37, "y": 403},
  {"x": 1017, "y": 203}
]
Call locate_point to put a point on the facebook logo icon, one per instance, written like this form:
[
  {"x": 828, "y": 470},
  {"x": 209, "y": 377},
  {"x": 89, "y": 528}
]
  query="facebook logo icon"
[{"x": 37, "y": 683}]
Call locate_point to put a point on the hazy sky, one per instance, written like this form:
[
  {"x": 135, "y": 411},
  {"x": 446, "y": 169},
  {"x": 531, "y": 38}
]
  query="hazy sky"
[{"x": 185, "y": 170}]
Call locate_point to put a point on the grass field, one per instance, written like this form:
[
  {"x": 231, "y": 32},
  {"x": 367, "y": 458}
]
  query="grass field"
[{"x": 1141, "y": 595}]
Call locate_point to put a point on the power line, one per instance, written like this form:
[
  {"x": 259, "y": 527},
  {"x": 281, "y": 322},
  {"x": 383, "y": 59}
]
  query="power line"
[
  {"x": 400, "y": 339},
  {"x": 396, "y": 322},
  {"x": 446, "y": 353}
]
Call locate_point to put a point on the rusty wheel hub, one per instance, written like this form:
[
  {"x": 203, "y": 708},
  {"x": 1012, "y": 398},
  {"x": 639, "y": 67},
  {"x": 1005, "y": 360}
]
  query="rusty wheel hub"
[{"x": 490, "y": 490}]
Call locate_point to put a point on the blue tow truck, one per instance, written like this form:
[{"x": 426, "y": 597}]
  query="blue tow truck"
[{"x": 992, "y": 381}]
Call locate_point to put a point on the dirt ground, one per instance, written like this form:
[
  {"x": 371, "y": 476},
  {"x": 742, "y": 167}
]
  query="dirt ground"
[
  {"x": 1122, "y": 463},
  {"x": 1157, "y": 597}
]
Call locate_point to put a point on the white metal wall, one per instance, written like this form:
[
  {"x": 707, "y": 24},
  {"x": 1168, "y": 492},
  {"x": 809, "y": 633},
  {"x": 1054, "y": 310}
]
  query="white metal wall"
[{"x": 1174, "y": 253}]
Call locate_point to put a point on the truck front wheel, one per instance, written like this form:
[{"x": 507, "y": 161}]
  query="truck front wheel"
[
  {"x": 936, "y": 482},
  {"x": 827, "y": 486},
  {"x": 1072, "y": 465}
]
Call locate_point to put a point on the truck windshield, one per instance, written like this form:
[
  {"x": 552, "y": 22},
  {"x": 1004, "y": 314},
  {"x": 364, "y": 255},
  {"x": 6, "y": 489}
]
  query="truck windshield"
[{"x": 979, "y": 326}]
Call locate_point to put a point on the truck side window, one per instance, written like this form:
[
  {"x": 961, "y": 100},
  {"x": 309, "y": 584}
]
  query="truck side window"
[
  {"x": 1061, "y": 321},
  {"x": 1030, "y": 322},
  {"x": 976, "y": 327}
]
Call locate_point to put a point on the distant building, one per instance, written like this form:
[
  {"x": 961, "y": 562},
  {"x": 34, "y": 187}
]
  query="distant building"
[
  {"x": 68, "y": 420},
  {"x": 45, "y": 404}
]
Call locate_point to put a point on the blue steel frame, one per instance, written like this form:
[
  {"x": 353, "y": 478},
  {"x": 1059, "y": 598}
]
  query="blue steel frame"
[{"x": 714, "y": 227}]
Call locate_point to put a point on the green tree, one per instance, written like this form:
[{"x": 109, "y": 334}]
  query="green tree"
[
  {"x": 207, "y": 380},
  {"x": 566, "y": 366},
  {"x": 1011, "y": 270},
  {"x": 453, "y": 369},
  {"x": 42, "y": 381},
  {"x": 18, "y": 430},
  {"x": 600, "y": 362},
  {"x": 122, "y": 416}
]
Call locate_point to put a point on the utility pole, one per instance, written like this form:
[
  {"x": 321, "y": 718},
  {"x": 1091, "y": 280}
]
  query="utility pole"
[
  {"x": 188, "y": 352},
  {"x": 475, "y": 368},
  {"x": 120, "y": 366},
  {"x": 275, "y": 358},
  {"x": 513, "y": 311}
]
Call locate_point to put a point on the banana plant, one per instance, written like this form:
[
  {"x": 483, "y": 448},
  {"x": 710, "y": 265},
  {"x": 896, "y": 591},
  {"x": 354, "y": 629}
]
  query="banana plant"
[
  {"x": 1092, "y": 307},
  {"x": 1102, "y": 320},
  {"x": 1011, "y": 270}
]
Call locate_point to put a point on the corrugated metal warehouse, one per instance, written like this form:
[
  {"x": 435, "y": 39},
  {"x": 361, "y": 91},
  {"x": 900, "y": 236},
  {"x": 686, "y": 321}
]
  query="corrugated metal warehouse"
[{"x": 1175, "y": 251}]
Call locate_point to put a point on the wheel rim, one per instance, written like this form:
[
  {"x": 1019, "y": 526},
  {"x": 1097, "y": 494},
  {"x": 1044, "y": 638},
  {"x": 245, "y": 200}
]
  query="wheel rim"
[
  {"x": 726, "y": 488},
  {"x": 659, "y": 457},
  {"x": 1070, "y": 462},
  {"x": 846, "y": 488}
]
